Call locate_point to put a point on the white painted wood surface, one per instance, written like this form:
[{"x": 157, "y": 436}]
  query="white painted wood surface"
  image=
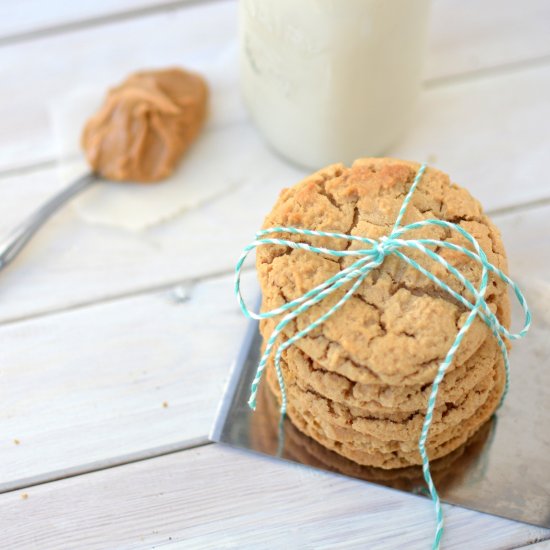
[
  {"x": 115, "y": 378},
  {"x": 490, "y": 133},
  {"x": 88, "y": 401},
  {"x": 216, "y": 497},
  {"x": 93, "y": 344},
  {"x": 72, "y": 262},
  {"x": 465, "y": 35},
  {"x": 19, "y": 20},
  {"x": 472, "y": 35}
]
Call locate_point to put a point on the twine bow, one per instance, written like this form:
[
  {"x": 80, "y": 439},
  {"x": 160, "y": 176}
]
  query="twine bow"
[{"x": 370, "y": 257}]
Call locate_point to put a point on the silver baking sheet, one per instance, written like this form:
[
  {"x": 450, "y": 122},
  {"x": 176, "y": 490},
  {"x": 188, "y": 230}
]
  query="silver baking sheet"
[{"x": 504, "y": 470}]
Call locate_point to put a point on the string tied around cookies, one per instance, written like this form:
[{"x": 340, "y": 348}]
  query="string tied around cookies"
[{"x": 371, "y": 256}]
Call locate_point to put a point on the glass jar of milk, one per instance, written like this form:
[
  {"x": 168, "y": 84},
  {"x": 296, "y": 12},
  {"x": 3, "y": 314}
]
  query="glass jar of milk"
[{"x": 332, "y": 80}]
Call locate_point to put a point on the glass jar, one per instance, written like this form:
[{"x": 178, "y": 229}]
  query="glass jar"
[{"x": 331, "y": 80}]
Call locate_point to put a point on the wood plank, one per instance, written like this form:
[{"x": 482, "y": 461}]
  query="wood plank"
[
  {"x": 106, "y": 381},
  {"x": 30, "y": 16},
  {"x": 72, "y": 262},
  {"x": 88, "y": 385},
  {"x": 498, "y": 34},
  {"x": 470, "y": 35},
  {"x": 247, "y": 502},
  {"x": 480, "y": 131},
  {"x": 488, "y": 133},
  {"x": 543, "y": 545},
  {"x": 44, "y": 70}
]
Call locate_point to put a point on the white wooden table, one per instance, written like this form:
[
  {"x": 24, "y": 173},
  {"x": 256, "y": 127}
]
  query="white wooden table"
[{"x": 109, "y": 384}]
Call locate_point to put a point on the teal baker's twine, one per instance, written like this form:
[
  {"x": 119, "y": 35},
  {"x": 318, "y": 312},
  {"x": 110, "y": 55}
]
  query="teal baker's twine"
[{"x": 370, "y": 258}]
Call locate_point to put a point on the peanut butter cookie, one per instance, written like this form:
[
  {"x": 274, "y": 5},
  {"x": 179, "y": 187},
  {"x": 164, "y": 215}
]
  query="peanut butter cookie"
[
  {"x": 376, "y": 398},
  {"x": 392, "y": 455},
  {"x": 399, "y": 325}
]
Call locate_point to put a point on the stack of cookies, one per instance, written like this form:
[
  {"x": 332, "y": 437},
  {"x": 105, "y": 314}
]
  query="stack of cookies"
[
  {"x": 264, "y": 435},
  {"x": 359, "y": 383}
]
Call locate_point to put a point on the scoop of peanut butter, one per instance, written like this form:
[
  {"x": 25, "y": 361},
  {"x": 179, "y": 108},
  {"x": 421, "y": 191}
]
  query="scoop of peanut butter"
[{"x": 145, "y": 125}]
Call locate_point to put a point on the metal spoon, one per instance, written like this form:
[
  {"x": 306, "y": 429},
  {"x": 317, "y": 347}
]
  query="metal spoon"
[{"x": 18, "y": 238}]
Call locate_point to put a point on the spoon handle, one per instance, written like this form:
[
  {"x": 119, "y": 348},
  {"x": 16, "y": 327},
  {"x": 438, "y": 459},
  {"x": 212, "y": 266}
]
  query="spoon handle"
[{"x": 18, "y": 238}]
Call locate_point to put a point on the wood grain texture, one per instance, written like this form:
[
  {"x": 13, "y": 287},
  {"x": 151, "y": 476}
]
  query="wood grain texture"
[
  {"x": 114, "y": 379},
  {"x": 91, "y": 385},
  {"x": 500, "y": 33},
  {"x": 72, "y": 262},
  {"x": 469, "y": 35},
  {"x": 490, "y": 134},
  {"x": 542, "y": 545},
  {"x": 88, "y": 385},
  {"x": 28, "y": 17},
  {"x": 216, "y": 497}
]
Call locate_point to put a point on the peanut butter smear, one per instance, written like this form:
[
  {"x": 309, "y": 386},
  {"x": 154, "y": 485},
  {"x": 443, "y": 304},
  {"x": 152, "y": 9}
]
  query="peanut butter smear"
[{"x": 145, "y": 125}]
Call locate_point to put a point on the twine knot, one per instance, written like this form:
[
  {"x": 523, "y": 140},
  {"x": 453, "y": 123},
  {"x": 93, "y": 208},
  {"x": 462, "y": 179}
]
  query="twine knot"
[
  {"x": 381, "y": 249},
  {"x": 373, "y": 254}
]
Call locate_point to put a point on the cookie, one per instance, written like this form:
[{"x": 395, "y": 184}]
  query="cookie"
[
  {"x": 303, "y": 449},
  {"x": 382, "y": 398},
  {"x": 264, "y": 434},
  {"x": 387, "y": 432},
  {"x": 397, "y": 458},
  {"x": 399, "y": 325}
]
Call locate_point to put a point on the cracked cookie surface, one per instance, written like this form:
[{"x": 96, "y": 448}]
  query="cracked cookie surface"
[{"x": 399, "y": 325}]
